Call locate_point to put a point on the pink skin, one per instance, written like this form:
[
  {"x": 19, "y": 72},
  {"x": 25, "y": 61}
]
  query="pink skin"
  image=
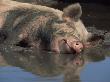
[
  {"x": 77, "y": 46},
  {"x": 66, "y": 45},
  {"x": 78, "y": 61}
]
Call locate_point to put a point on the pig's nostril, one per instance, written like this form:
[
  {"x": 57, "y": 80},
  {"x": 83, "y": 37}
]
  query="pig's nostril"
[{"x": 77, "y": 44}]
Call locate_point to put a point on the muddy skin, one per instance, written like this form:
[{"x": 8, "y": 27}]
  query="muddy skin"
[{"x": 41, "y": 27}]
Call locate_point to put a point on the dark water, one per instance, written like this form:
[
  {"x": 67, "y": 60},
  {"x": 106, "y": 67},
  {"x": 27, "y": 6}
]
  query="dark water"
[{"x": 27, "y": 65}]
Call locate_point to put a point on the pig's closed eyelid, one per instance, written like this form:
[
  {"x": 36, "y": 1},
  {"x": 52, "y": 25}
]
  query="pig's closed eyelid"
[{"x": 77, "y": 44}]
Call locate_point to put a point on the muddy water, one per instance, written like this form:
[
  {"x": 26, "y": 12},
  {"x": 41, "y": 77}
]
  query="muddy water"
[{"x": 28, "y": 65}]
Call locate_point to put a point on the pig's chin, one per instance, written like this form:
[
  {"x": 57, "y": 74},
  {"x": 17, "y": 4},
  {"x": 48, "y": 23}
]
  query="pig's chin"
[{"x": 65, "y": 49}]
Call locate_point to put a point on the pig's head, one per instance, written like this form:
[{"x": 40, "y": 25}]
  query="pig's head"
[
  {"x": 71, "y": 31},
  {"x": 74, "y": 36}
]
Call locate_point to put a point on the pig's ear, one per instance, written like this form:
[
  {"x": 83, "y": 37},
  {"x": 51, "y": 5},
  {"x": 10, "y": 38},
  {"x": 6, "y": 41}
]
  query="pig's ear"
[{"x": 73, "y": 11}]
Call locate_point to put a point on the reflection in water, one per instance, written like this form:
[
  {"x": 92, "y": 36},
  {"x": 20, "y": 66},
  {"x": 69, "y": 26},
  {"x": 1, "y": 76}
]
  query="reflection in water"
[
  {"x": 15, "y": 74},
  {"x": 51, "y": 67},
  {"x": 72, "y": 72}
]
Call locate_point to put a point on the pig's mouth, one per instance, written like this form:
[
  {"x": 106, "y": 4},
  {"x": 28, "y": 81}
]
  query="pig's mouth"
[{"x": 72, "y": 50}]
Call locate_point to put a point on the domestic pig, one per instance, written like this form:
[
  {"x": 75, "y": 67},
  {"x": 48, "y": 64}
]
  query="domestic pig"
[{"x": 43, "y": 27}]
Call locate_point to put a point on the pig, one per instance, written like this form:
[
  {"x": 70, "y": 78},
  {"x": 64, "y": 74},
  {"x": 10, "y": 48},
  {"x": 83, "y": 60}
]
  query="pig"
[
  {"x": 41, "y": 2},
  {"x": 42, "y": 27}
]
